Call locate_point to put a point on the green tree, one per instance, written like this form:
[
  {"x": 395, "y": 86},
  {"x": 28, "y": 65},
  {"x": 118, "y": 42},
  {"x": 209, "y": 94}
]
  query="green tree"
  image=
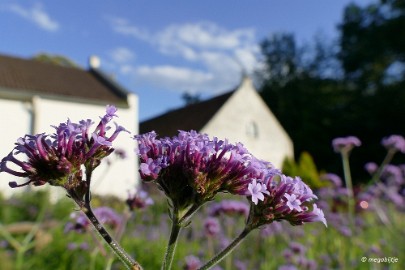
[
  {"x": 55, "y": 59},
  {"x": 296, "y": 86},
  {"x": 372, "y": 42},
  {"x": 189, "y": 98},
  {"x": 355, "y": 86}
]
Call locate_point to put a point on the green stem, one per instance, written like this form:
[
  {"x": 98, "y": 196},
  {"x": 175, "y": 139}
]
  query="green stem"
[
  {"x": 93, "y": 257},
  {"x": 190, "y": 212},
  {"x": 128, "y": 261},
  {"x": 225, "y": 252},
  {"x": 171, "y": 246},
  {"x": 387, "y": 159},
  {"x": 178, "y": 222},
  {"x": 349, "y": 186},
  {"x": 28, "y": 242},
  {"x": 109, "y": 263}
]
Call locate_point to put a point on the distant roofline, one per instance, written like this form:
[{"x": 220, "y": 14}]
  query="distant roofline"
[
  {"x": 21, "y": 75},
  {"x": 111, "y": 83}
]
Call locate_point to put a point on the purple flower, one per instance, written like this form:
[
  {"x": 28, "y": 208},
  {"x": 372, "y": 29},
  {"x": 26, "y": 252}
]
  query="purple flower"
[
  {"x": 257, "y": 191},
  {"x": 288, "y": 199},
  {"x": 229, "y": 207},
  {"x": 192, "y": 168},
  {"x": 288, "y": 267},
  {"x": 110, "y": 111},
  {"x": 293, "y": 202},
  {"x": 371, "y": 167},
  {"x": 394, "y": 143},
  {"x": 297, "y": 248},
  {"x": 74, "y": 246},
  {"x": 211, "y": 226},
  {"x": 333, "y": 178},
  {"x": 192, "y": 263},
  {"x": 345, "y": 144},
  {"x": 105, "y": 215},
  {"x": 139, "y": 200},
  {"x": 392, "y": 175},
  {"x": 58, "y": 159}
]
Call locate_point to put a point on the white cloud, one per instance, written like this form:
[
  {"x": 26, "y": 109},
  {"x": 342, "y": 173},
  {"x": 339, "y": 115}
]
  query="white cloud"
[
  {"x": 204, "y": 35},
  {"x": 223, "y": 55},
  {"x": 122, "y": 55},
  {"x": 174, "y": 78},
  {"x": 36, "y": 15},
  {"x": 124, "y": 27}
]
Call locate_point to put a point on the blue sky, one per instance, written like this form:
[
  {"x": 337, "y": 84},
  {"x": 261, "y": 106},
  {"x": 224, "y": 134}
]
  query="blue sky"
[{"x": 160, "y": 49}]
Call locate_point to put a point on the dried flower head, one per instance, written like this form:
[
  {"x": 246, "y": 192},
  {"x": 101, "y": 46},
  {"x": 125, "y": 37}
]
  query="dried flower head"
[{"x": 57, "y": 159}]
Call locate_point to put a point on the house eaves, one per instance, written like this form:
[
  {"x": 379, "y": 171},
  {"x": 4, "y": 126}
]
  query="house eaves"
[
  {"x": 26, "y": 78},
  {"x": 191, "y": 117}
]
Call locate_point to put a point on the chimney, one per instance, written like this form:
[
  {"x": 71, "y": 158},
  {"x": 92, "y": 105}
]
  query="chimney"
[{"x": 94, "y": 62}]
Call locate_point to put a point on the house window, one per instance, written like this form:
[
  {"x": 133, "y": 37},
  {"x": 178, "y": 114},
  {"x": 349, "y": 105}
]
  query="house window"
[{"x": 252, "y": 130}]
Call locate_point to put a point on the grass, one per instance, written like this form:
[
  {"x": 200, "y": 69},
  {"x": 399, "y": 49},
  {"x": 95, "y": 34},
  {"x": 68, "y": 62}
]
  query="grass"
[{"x": 147, "y": 233}]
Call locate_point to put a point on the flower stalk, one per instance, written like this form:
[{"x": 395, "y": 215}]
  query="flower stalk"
[
  {"x": 349, "y": 186},
  {"x": 178, "y": 222},
  {"x": 344, "y": 146},
  {"x": 388, "y": 157},
  {"x": 173, "y": 239},
  {"x": 226, "y": 251},
  {"x": 125, "y": 258}
]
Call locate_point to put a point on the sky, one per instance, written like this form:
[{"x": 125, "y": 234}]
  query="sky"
[{"x": 160, "y": 49}]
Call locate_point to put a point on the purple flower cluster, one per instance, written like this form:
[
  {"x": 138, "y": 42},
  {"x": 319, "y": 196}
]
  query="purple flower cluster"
[
  {"x": 390, "y": 187},
  {"x": 345, "y": 144},
  {"x": 211, "y": 226},
  {"x": 371, "y": 167},
  {"x": 191, "y": 168},
  {"x": 105, "y": 215},
  {"x": 229, "y": 207},
  {"x": 395, "y": 143},
  {"x": 295, "y": 255},
  {"x": 288, "y": 199},
  {"x": 191, "y": 263},
  {"x": 57, "y": 159},
  {"x": 139, "y": 200},
  {"x": 334, "y": 179}
]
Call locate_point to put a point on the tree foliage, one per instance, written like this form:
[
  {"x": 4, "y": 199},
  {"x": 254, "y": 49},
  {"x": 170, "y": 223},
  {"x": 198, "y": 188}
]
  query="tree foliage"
[
  {"x": 189, "y": 98},
  {"x": 354, "y": 86},
  {"x": 305, "y": 168},
  {"x": 55, "y": 59}
]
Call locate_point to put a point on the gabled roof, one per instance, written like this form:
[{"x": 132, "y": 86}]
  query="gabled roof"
[
  {"x": 39, "y": 78},
  {"x": 191, "y": 117}
]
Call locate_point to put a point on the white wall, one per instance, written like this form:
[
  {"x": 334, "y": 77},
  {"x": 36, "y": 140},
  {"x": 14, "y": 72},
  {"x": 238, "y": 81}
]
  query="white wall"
[
  {"x": 15, "y": 121},
  {"x": 235, "y": 119},
  {"x": 116, "y": 179}
]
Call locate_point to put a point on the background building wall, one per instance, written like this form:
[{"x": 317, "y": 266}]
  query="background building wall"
[
  {"x": 15, "y": 119},
  {"x": 245, "y": 118},
  {"x": 110, "y": 178}
]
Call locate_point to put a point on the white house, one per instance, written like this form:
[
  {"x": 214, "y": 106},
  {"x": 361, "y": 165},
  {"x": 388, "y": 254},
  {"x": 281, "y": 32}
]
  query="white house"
[
  {"x": 240, "y": 116},
  {"x": 35, "y": 95}
]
